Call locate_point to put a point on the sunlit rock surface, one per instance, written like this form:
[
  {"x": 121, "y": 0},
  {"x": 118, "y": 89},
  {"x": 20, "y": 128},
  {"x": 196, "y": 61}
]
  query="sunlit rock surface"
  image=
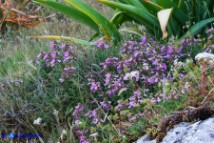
[{"x": 199, "y": 132}]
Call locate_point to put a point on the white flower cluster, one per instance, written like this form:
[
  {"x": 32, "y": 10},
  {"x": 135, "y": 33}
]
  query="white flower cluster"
[
  {"x": 129, "y": 76},
  {"x": 177, "y": 64},
  {"x": 205, "y": 58},
  {"x": 37, "y": 121}
]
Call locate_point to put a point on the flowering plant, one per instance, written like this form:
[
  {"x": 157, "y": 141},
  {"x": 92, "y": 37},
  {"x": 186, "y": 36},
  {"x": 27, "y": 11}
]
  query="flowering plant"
[
  {"x": 144, "y": 75},
  {"x": 61, "y": 58}
]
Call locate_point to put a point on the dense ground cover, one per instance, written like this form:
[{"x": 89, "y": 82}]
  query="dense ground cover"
[{"x": 102, "y": 93}]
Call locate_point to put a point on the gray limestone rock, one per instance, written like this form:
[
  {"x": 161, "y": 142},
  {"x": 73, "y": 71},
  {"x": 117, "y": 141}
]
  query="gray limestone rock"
[{"x": 199, "y": 132}]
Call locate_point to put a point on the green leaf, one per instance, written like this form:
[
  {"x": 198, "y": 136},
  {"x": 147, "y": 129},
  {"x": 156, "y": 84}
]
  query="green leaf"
[
  {"x": 69, "y": 11},
  {"x": 138, "y": 4},
  {"x": 108, "y": 29},
  {"x": 118, "y": 18},
  {"x": 195, "y": 29},
  {"x": 142, "y": 15},
  {"x": 66, "y": 39},
  {"x": 178, "y": 13}
]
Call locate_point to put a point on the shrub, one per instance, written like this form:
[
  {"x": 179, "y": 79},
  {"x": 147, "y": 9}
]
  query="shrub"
[{"x": 125, "y": 87}]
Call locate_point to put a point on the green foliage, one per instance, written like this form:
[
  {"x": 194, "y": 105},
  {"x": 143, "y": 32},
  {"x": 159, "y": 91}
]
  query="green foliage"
[
  {"x": 86, "y": 15},
  {"x": 187, "y": 19},
  {"x": 180, "y": 18}
]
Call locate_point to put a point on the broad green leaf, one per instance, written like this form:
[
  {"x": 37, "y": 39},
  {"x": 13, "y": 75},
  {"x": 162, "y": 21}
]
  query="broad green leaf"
[
  {"x": 66, "y": 39},
  {"x": 178, "y": 13},
  {"x": 163, "y": 17},
  {"x": 146, "y": 18},
  {"x": 69, "y": 11},
  {"x": 118, "y": 19},
  {"x": 138, "y": 4},
  {"x": 108, "y": 29}
]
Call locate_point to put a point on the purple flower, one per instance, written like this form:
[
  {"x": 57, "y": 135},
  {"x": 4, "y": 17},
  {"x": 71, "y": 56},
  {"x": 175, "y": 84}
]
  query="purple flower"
[
  {"x": 83, "y": 139},
  {"x": 102, "y": 45},
  {"x": 152, "y": 80},
  {"x": 77, "y": 111},
  {"x": 107, "y": 78},
  {"x": 137, "y": 93},
  {"x": 61, "y": 79},
  {"x": 52, "y": 63},
  {"x": 132, "y": 104},
  {"x": 170, "y": 50},
  {"x": 66, "y": 54},
  {"x": 143, "y": 40},
  {"x": 45, "y": 56},
  {"x": 94, "y": 86},
  {"x": 92, "y": 114},
  {"x": 153, "y": 100},
  {"x": 62, "y": 46},
  {"x": 141, "y": 114},
  {"x": 95, "y": 121},
  {"x": 52, "y": 46},
  {"x": 119, "y": 105},
  {"x": 106, "y": 105},
  {"x": 132, "y": 119}
]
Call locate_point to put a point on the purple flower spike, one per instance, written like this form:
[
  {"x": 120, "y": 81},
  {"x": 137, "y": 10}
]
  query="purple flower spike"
[
  {"x": 52, "y": 46},
  {"x": 153, "y": 100},
  {"x": 95, "y": 86},
  {"x": 170, "y": 50},
  {"x": 62, "y": 46},
  {"x": 132, "y": 119},
  {"x": 152, "y": 80},
  {"x": 102, "y": 45}
]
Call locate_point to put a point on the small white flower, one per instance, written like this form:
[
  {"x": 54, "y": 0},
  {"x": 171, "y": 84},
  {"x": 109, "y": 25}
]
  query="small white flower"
[
  {"x": 187, "y": 85},
  {"x": 79, "y": 123},
  {"x": 121, "y": 91},
  {"x": 55, "y": 112},
  {"x": 94, "y": 134},
  {"x": 178, "y": 64},
  {"x": 205, "y": 58},
  {"x": 37, "y": 121},
  {"x": 146, "y": 66},
  {"x": 129, "y": 76},
  {"x": 64, "y": 133}
]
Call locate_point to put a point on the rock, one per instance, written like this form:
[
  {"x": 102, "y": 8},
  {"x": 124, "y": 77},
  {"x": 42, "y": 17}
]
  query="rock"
[
  {"x": 145, "y": 139},
  {"x": 199, "y": 132}
]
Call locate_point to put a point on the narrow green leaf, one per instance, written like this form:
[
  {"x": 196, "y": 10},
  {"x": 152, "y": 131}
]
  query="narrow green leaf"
[
  {"x": 66, "y": 39},
  {"x": 69, "y": 11},
  {"x": 195, "y": 29}
]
